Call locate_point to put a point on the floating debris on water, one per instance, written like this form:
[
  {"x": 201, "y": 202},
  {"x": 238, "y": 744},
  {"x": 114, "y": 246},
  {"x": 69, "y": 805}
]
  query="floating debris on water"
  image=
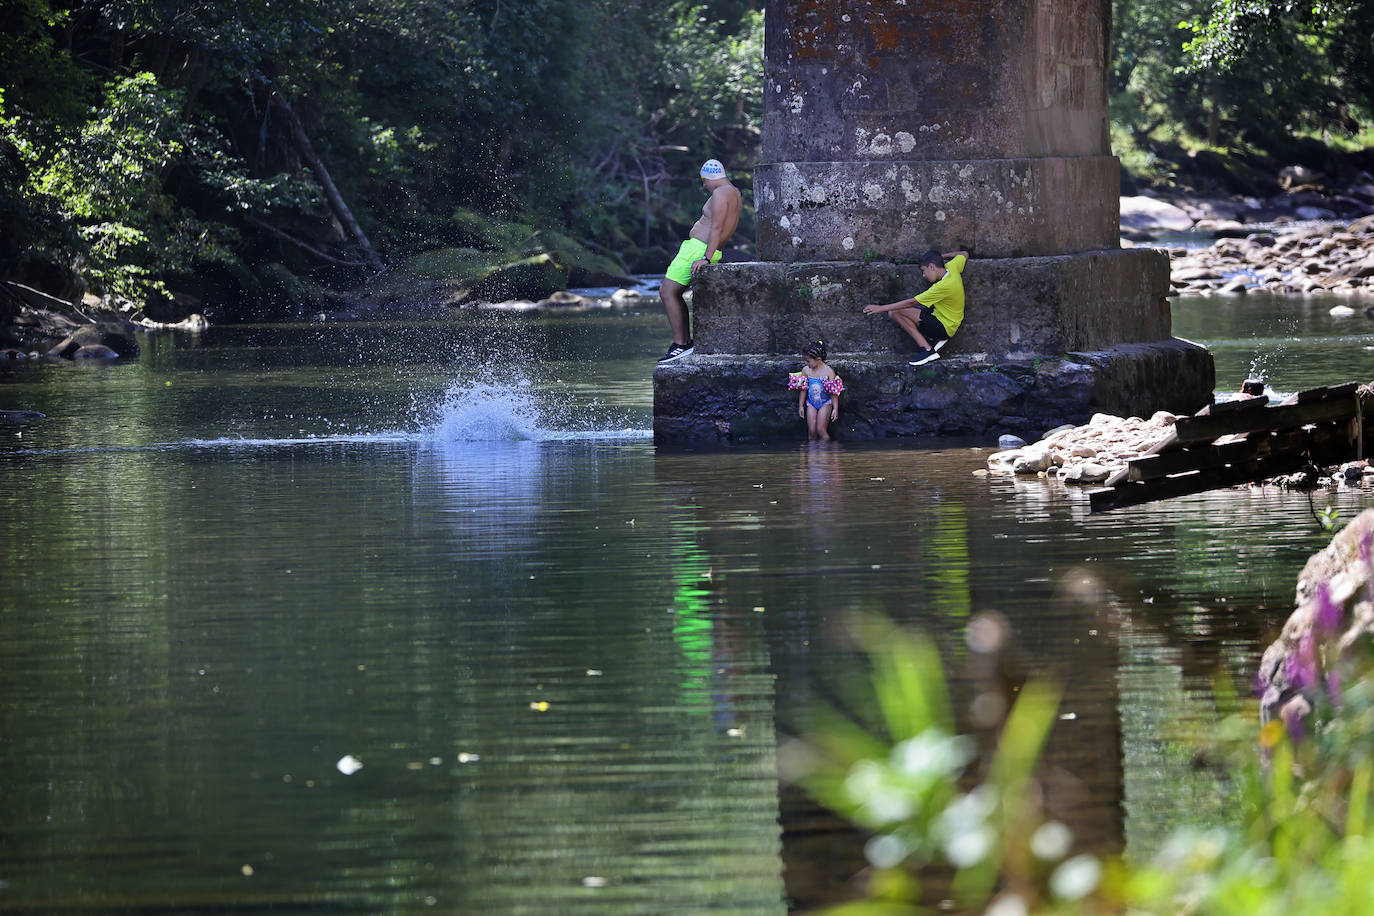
[{"x": 348, "y": 765}]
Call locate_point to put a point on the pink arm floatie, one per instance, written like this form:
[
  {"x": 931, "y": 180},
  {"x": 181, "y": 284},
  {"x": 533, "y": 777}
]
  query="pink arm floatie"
[
  {"x": 834, "y": 386},
  {"x": 795, "y": 380}
]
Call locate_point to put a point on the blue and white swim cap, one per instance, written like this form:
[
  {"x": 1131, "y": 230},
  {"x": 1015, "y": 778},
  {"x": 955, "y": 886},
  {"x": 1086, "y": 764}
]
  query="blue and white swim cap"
[{"x": 712, "y": 168}]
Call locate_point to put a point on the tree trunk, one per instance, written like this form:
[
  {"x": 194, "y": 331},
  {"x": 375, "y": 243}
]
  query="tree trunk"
[
  {"x": 331, "y": 192},
  {"x": 116, "y": 50},
  {"x": 161, "y": 53},
  {"x": 199, "y": 66},
  {"x": 305, "y": 246},
  {"x": 1213, "y": 119},
  {"x": 647, "y": 199}
]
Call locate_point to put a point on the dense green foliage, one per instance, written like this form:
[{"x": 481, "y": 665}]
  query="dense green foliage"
[
  {"x": 1335, "y": 37},
  {"x": 1242, "y": 78},
  {"x": 261, "y": 152},
  {"x": 149, "y": 145}
]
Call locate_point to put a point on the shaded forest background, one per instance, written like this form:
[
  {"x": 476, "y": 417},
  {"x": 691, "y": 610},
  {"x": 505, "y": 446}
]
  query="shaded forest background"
[{"x": 259, "y": 160}]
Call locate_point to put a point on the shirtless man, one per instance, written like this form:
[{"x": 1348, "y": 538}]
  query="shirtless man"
[{"x": 719, "y": 217}]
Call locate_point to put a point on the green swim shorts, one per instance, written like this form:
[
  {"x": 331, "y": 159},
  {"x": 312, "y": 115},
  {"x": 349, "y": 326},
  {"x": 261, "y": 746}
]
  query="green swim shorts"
[{"x": 681, "y": 268}]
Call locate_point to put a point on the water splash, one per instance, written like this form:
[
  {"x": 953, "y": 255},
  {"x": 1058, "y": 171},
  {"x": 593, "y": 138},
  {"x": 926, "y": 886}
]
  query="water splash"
[
  {"x": 1260, "y": 365},
  {"x": 486, "y": 412},
  {"x": 517, "y": 410},
  {"x": 1256, "y": 372}
]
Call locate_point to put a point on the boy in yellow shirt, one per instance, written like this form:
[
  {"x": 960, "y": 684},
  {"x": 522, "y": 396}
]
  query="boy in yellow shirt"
[{"x": 931, "y": 317}]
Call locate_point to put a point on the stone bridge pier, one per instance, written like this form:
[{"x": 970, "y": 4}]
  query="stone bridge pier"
[{"x": 894, "y": 126}]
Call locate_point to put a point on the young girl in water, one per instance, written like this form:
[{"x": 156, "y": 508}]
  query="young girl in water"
[{"x": 818, "y": 391}]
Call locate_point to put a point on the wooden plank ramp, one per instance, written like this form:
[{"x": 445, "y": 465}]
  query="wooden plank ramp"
[{"x": 1243, "y": 441}]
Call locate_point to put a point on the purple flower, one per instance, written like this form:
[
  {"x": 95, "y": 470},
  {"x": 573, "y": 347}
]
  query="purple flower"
[
  {"x": 1294, "y": 715},
  {"x": 1300, "y": 668},
  {"x": 1329, "y": 613}
]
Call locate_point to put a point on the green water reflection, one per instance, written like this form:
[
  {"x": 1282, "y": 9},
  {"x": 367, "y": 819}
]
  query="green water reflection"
[{"x": 564, "y": 658}]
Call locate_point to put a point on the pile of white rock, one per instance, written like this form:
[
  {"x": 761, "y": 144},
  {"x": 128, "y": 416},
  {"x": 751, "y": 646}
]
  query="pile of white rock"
[
  {"x": 1093, "y": 454},
  {"x": 1302, "y": 261},
  {"x": 1087, "y": 454}
]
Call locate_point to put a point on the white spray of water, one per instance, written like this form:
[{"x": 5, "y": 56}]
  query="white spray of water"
[
  {"x": 484, "y": 412},
  {"x": 517, "y": 410}
]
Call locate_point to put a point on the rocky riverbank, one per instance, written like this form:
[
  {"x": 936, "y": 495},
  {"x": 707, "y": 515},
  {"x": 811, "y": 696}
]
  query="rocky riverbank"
[
  {"x": 1087, "y": 454},
  {"x": 1333, "y": 621},
  {"x": 1092, "y": 453},
  {"x": 42, "y": 326},
  {"x": 1308, "y": 237},
  {"x": 1304, "y": 260}
]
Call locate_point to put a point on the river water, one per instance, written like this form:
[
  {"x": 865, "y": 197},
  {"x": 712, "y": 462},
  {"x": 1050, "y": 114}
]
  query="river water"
[{"x": 565, "y": 660}]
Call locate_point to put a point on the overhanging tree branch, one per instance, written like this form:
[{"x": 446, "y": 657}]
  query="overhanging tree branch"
[
  {"x": 305, "y": 246},
  {"x": 331, "y": 191}
]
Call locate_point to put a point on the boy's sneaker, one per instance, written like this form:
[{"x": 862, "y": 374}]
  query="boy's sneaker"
[
  {"x": 940, "y": 343},
  {"x": 677, "y": 351},
  {"x": 923, "y": 356}
]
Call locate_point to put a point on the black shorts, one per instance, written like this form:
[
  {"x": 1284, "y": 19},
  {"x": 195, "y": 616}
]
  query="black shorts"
[{"x": 929, "y": 326}]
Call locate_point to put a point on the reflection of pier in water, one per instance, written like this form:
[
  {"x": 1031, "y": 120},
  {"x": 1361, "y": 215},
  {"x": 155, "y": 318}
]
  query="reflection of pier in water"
[
  {"x": 800, "y": 535},
  {"x": 1064, "y": 629}
]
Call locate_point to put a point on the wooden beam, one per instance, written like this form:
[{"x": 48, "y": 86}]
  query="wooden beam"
[
  {"x": 1322, "y": 426},
  {"x": 1193, "y": 430},
  {"x": 1152, "y": 467},
  {"x": 1134, "y": 494},
  {"x": 1232, "y": 406},
  {"x": 1333, "y": 392}
]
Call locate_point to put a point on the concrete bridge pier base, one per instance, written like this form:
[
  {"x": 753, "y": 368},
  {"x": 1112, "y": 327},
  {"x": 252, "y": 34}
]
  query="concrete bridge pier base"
[{"x": 1045, "y": 341}]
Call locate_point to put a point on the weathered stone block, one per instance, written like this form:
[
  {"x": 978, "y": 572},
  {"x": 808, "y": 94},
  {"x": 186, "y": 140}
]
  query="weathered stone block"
[
  {"x": 1016, "y": 307},
  {"x": 873, "y": 79},
  {"x": 827, "y": 211}
]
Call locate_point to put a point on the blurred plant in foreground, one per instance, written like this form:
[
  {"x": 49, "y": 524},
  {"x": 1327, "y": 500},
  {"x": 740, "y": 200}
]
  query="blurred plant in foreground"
[
  {"x": 930, "y": 802},
  {"x": 1306, "y": 844},
  {"x": 939, "y": 813}
]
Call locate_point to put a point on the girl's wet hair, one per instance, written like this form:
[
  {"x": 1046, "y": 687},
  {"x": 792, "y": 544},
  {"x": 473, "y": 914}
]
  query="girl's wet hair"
[{"x": 815, "y": 350}]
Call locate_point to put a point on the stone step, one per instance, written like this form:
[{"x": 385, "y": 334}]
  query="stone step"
[
  {"x": 735, "y": 398},
  {"x": 1016, "y": 308}
]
